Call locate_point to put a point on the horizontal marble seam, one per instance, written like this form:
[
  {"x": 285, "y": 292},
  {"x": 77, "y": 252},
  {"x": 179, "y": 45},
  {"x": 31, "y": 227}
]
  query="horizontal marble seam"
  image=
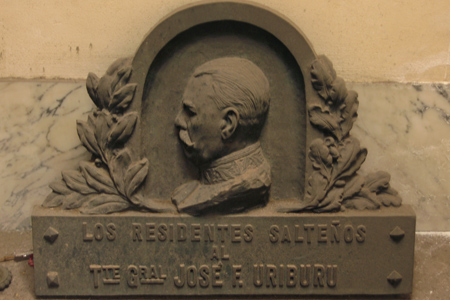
[{"x": 405, "y": 127}]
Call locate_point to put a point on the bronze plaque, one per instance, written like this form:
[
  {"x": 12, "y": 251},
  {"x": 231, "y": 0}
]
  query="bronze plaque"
[
  {"x": 303, "y": 254},
  {"x": 222, "y": 164}
]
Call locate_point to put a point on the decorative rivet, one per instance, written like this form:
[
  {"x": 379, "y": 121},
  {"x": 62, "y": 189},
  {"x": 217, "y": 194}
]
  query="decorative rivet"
[
  {"x": 51, "y": 235},
  {"x": 52, "y": 279},
  {"x": 394, "y": 278},
  {"x": 397, "y": 234}
]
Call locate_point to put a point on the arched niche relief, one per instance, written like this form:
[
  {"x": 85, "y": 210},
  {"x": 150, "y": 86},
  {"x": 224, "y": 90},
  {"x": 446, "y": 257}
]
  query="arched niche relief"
[
  {"x": 309, "y": 160},
  {"x": 302, "y": 159},
  {"x": 192, "y": 36}
]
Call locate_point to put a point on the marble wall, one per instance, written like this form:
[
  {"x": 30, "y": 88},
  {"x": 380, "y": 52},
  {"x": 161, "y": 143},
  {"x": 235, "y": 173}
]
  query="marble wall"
[
  {"x": 38, "y": 140},
  {"x": 405, "y": 127}
]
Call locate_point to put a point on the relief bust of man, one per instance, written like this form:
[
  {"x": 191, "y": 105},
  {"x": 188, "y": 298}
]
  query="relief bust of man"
[{"x": 224, "y": 108}]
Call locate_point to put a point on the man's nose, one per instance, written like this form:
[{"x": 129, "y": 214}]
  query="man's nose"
[{"x": 180, "y": 122}]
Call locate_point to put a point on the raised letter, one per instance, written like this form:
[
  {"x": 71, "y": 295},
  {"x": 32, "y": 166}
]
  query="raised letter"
[
  {"x": 348, "y": 233},
  {"x": 305, "y": 273},
  {"x": 161, "y": 275},
  {"x": 195, "y": 232},
  {"x": 319, "y": 273},
  {"x": 136, "y": 233},
  {"x": 203, "y": 279},
  {"x": 111, "y": 270},
  {"x": 150, "y": 231},
  {"x": 209, "y": 231},
  {"x": 95, "y": 269},
  {"x": 171, "y": 232},
  {"x": 143, "y": 270},
  {"x": 258, "y": 271},
  {"x": 216, "y": 282},
  {"x": 222, "y": 228},
  {"x": 179, "y": 280},
  {"x": 223, "y": 254},
  {"x": 271, "y": 275},
  {"x": 87, "y": 237},
  {"x": 292, "y": 276},
  {"x": 308, "y": 228},
  {"x": 153, "y": 272},
  {"x": 162, "y": 232},
  {"x": 111, "y": 232},
  {"x": 215, "y": 253},
  {"x": 286, "y": 235},
  {"x": 331, "y": 275},
  {"x": 191, "y": 276},
  {"x": 236, "y": 278},
  {"x": 281, "y": 276},
  {"x": 181, "y": 232},
  {"x": 274, "y": 233},
  {"x": 361, "y": 233},
  {"x": 248, "y": 233},
  {"x": 236, "y": 233},
  {"x": 132, "y": 276},
  {"x": 322, "y": 233},
  {"x": 336, "y": 228},
  {"x": 298, "y": 237},
  {"x": 98, "y": 232}
]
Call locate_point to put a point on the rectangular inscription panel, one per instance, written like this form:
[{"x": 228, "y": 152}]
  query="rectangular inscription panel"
[{"x": 283, "y": 254}]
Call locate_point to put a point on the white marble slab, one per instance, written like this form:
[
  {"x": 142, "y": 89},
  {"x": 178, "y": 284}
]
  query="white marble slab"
[
  {"x": 406, "y": 129},
  {"x": 38, "y": 140}
]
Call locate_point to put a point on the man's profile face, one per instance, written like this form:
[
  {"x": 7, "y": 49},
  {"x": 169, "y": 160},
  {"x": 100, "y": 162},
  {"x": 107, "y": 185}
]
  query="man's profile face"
[{"x": 200, "y": 123}]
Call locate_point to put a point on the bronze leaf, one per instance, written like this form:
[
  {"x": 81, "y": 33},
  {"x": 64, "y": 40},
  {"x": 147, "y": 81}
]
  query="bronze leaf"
[
  {"x": 53, "y": 200},
  {"x": 322, "y": 76},
  {"x": 60, "y": 187},
  {"x": 91, "y": 86},
  {"x": 74, "y": 200},
  {"x": 135, "y": 176},
  {"x": 123, "y": 97},
  {"x": 77, "y": 182},
  {"x": 123, "y": 129},
  {"x": 119, "y": 164},
  {"x": 87, "y": 137},
  {"x": 97, "y": 178},
  {"x": 350, "y": 112},
  {"x": 324, "y": 120},
  {"x": 350, "y": 160},
  {"x": 332, "y": 201},
  {"x": 104, "y": 204}
]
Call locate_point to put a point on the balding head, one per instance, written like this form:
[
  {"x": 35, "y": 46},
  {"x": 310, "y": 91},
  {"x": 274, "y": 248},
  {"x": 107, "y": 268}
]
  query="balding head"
[
  {"x": 225, "y": 104},
  {"x": 238, "y": 83}
]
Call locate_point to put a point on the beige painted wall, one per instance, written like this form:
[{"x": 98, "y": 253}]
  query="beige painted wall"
[{"x": 384, "y": 40}]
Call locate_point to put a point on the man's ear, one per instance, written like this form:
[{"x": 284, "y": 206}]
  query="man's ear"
[{"x": 230, "y": 122}]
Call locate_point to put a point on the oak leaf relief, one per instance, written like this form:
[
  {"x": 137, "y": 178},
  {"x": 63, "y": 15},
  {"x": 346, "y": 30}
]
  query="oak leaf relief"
[{"x": 334, "y": 182}]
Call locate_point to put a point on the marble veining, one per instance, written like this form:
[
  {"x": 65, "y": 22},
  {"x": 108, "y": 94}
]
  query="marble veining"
[
  {"x": 405, "y": 127},
  {"x": 38, "y": 140}
]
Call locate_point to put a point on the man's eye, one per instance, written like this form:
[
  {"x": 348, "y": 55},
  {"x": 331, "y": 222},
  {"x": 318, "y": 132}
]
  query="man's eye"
[{"x": 189, "y": 111}]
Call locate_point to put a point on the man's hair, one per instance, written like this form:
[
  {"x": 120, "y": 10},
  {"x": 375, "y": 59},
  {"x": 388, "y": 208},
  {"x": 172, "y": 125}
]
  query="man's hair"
[{"x": 238, "y": 83}]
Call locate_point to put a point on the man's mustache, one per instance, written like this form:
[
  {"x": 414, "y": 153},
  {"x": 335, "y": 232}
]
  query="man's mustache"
[{"x": 185, "y": 138}]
